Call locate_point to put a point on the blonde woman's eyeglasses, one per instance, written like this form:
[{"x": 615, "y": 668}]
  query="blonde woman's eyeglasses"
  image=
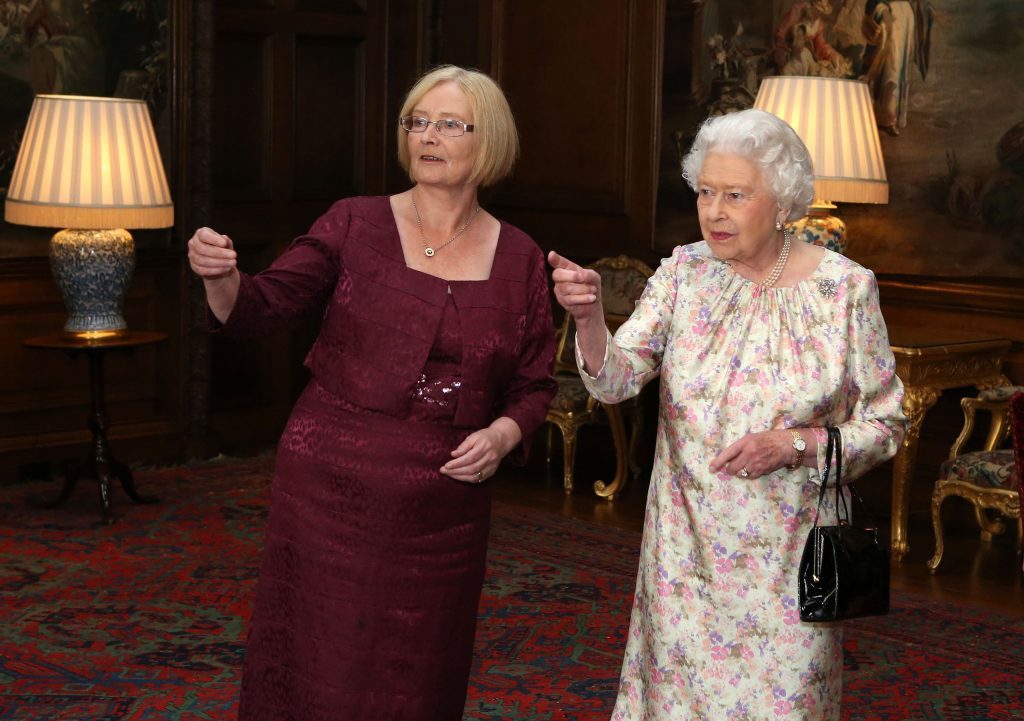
[{"x": 446, "y": 126}]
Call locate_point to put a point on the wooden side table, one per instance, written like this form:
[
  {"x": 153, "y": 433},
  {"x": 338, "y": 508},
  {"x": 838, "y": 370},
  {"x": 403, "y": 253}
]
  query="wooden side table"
[
  {"x": 929, "y": 361},
  {"x": 101, "y": 464}
]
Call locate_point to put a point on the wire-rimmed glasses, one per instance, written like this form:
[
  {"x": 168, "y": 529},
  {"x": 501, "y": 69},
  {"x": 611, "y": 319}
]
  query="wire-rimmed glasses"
[{"x": 445, "y": 126}]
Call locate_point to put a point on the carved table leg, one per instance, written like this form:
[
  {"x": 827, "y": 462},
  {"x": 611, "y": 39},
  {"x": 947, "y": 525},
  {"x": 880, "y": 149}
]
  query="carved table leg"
[
  {"x": 105, "y": 468},
  {"x": 916, "y": 402},
  {"x": 99, "y": 462},
  {"x": 128, "y": 483},
  {"x": 70, "y": 473}
]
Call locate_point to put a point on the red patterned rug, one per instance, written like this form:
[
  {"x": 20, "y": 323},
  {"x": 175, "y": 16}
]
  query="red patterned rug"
[{"x": 144, "y": 620}]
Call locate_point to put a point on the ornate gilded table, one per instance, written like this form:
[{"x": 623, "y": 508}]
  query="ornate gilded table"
[{"x": 929, "y": 361}]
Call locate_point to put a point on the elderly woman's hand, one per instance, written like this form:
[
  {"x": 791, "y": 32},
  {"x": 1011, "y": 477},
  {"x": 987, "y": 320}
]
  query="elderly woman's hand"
[
  {"x": 758, "y": 454},
  {"x": 577, "y": 289}
]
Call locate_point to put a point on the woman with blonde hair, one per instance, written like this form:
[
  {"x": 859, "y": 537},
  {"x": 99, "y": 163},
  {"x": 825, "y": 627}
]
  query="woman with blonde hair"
[{"x": 433, "y": 363}]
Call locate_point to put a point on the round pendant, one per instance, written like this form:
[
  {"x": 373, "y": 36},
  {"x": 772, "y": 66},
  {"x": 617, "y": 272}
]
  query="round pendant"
[{"x": 428, "y": 251}]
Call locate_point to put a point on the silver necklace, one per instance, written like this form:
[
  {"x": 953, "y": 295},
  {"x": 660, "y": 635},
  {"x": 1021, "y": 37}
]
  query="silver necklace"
[
  {"x": 773, "y": 277},
  {"x": 429, "y": 250}
]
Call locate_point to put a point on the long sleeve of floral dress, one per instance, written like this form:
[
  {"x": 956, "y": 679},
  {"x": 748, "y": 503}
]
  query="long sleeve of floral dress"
[
  {"x": 868, "y": 407},
  {"x": 715, "y": 631}
]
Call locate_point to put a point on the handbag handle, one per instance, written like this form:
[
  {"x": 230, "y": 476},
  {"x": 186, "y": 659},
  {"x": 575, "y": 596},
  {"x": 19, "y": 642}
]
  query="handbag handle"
[{"x": 833, "y": 449}]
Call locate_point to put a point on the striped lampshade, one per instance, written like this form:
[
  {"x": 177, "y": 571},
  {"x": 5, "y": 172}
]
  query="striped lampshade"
[
  {"x": 835, "y": 119},
  {"x": 89, "y": 162}
]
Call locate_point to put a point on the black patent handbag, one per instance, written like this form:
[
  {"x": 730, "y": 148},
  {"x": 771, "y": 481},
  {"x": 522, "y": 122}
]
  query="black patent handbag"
[{"x": 844, "y": 569}]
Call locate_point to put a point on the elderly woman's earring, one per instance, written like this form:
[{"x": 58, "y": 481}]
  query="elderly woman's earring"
[{"x": 778, "y": 225}]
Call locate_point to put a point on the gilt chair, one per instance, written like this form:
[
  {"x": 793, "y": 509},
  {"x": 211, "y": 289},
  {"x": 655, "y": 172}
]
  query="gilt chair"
[
  {"x": 623, "y": 280},
  {"x": 987, "y": 478}
]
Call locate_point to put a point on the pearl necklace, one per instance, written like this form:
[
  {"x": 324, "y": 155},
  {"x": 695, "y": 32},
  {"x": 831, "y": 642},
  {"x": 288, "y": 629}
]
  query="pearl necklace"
[
  {"x": 429, "y": 250},
  {"x": 780, "y": 264}
]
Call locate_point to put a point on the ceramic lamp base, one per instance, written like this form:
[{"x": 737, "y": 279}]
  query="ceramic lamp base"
[
  {"x": 818, "y": 227},
  {"x": 93, "y": 268}
]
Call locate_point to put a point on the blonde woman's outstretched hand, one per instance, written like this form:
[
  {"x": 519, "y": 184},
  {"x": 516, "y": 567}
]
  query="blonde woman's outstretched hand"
[
  {"x": 213, "y": 258},
  {"x": 211, "y": 255}
]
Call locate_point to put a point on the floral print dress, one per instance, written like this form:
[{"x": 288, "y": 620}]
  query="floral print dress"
[{"x": 715, "y": 631}]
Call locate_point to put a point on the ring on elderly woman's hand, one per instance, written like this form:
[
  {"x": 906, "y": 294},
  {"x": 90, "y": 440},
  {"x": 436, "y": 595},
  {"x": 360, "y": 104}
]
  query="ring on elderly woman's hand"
[
  {"x": 743, "y": 473},
  {"x": 479, "y": 476}
]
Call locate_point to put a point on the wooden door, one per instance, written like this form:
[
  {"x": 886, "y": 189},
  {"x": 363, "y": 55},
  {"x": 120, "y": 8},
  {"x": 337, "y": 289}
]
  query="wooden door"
[
  {"x": 583, "y": 78},
  {"x": 302, "y": 90}
]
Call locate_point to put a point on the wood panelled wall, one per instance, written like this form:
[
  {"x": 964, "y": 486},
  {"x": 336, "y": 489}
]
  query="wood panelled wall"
[
  {"x": 583, "y": 78},
  {"x": 281, "y": 107}
]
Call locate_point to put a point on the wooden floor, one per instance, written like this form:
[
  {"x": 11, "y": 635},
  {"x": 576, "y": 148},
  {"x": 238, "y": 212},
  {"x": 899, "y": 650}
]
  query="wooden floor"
[{"x": 974, "y": 573}]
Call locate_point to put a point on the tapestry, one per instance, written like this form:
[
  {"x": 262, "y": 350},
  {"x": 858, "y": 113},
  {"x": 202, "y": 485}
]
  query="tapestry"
[{"x": 945, "y": 77}]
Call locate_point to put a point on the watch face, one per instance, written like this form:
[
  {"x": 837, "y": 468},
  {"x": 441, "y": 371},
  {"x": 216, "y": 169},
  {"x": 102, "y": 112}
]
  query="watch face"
[{"x": 800, "y": 444}]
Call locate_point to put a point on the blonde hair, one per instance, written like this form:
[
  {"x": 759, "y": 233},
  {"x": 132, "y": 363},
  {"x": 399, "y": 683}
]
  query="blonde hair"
[{"x": 494, "y": 128}]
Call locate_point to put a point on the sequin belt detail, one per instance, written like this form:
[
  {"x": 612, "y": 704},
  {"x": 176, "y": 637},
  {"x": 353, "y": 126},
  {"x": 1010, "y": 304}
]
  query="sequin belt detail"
[{"x": 440, "y": 391}]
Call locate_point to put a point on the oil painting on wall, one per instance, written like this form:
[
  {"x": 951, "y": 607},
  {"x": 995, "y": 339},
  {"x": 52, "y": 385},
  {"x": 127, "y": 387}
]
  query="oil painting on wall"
[
  {"x": 947, "y": 78},
  {"x": 75, "y": 47}
]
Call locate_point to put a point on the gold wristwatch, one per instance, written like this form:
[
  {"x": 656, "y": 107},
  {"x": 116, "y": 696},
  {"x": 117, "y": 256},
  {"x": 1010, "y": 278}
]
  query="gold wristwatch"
[{"x": 799, "y": 445}]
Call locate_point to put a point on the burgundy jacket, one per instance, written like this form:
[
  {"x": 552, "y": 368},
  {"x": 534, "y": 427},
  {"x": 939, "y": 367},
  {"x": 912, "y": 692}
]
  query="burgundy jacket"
[{"x": 381, "y": 317}]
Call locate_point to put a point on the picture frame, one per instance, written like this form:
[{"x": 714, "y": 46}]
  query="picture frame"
[{"x": 955, "y": 154}]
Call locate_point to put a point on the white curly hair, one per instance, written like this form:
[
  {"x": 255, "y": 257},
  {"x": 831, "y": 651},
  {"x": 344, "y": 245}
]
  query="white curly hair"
[{"x": 766, "y": 141}]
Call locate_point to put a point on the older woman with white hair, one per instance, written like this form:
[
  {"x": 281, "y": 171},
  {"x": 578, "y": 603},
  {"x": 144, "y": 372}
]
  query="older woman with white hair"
[{"x": 760, "y": 344}]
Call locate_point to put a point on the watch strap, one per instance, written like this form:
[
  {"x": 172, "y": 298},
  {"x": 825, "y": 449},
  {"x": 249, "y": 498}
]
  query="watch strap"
[{"x": 800, "y": 446}]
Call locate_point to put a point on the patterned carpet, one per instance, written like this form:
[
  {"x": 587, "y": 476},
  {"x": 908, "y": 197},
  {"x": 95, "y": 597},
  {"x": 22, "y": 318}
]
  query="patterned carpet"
[{"x": 145, "y": 619}]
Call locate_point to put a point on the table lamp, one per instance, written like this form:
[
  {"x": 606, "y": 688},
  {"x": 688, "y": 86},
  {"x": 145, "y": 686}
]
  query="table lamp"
[
  {"x": 90, "y": 165},
  {"x": 835, "y": 119}
]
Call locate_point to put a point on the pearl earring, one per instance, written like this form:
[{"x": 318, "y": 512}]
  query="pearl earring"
[{"x": 778, "y": 225}]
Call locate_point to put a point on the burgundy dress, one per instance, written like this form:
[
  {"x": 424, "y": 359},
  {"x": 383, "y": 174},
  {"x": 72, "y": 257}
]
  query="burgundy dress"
[{"x": 373, "y": 560}]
